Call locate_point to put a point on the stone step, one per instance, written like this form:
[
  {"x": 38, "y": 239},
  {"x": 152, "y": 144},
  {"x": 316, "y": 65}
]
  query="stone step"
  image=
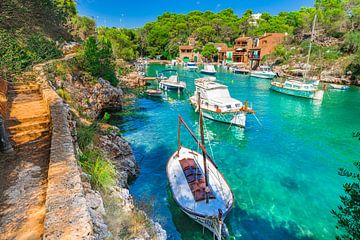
[
  {"x": 15, "y": 92},
  {"x": 43, "y": 141},
  {"x": 26, "y": 126},
  {"x": 21, "y": 98},
  {"x": 13, "y": 121},
  {"x": 24, "y": 87},
  {"x": 28, "y": 136}
]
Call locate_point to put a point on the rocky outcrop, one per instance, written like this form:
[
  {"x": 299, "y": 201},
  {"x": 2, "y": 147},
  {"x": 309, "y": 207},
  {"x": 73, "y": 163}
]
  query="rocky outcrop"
[
  {"x": 92, "y": 99},
  {"x": 120, "y": 153},
  {"x": 132, "y": 80}
]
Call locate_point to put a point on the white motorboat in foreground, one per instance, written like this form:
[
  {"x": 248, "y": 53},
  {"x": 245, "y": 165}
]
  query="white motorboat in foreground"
[
  {"x": 198, "y": 187},
  {"x": 208, "y": 69},
  {"x": 298, "y": 89},
  {"x": 169, "y": 80},
  {"x": 217, "y": 104},
  {"x": 264, "y": 72}
]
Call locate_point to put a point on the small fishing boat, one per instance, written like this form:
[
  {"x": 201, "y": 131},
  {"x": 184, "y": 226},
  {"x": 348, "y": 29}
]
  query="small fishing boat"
[
  {"x": 301, "y": 88},
  {"x": 264, "y": 72},
  {"x": 169, "y": 80},
  {"x": 217, "y": 104},
  {"x": 241, "y": 71},
  {"x": 298, "y": 89},
  {"x": 208, "y": 69},
  {"x": 191, "y": 66},
  {"x": 339, "y": 87},
  {"x": 197, "y": 186},
  {"x": 154, "y": 92}
]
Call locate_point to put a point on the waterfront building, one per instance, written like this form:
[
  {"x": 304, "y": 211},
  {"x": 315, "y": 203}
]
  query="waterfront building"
[
  {"x": 263, "y": 46},
  {"x": 241, "y": 49},
  {"x": 187, "y": 53}
]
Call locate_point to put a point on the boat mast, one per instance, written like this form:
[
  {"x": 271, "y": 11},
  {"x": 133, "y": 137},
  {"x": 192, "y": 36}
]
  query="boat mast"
[
  {"x": 310, "y": 46},
  {"x": 207, "y": 190}
]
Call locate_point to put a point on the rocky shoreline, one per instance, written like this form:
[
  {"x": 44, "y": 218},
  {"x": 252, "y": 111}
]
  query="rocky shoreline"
[{"x": 93, "y": 98}]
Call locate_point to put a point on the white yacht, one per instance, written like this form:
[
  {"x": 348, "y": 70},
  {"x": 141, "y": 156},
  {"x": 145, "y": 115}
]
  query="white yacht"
[{"x": 217, "y": 104}]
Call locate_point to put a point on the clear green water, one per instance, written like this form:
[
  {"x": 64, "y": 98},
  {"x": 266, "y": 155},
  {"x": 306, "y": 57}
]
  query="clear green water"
[{"x": 283, "y": 173}]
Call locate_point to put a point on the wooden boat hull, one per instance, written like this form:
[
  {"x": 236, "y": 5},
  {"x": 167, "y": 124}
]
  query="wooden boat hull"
[{"x": 318, "y": 95}]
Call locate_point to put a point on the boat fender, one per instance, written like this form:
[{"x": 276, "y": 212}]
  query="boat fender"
[{"x": 218, "y": 110}]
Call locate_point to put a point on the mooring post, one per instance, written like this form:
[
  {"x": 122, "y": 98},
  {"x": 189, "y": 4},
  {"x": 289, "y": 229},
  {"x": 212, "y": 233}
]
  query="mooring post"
[{"x": 5, "y": 145}]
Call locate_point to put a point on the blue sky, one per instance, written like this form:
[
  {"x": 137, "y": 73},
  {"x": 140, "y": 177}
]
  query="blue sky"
[{"x": 135, "y": 13}]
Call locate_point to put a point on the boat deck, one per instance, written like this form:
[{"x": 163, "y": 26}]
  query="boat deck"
[{"x": 221, "y": 198}]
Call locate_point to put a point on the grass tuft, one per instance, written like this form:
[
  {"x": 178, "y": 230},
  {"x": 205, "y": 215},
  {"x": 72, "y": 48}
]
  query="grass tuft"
[
  {"x": 86, "y": 135},
  {"x": 102, "y": 172}
]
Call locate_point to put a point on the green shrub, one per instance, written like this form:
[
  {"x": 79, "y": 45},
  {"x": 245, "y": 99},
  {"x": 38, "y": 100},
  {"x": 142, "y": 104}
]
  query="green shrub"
[
  {"x": 354, "y": 67},
  {"x": 106, "y": 117},
  {"x": 64, "y": 94},
  {"x": 41, "y": 49},
  {"x": 13, "y": 55},
  {"x": 102, "y": 172},
  {"x": 351, "y": 42},
  {"x": 86, "y": 135},
  {"x": 97, "y": 59}
]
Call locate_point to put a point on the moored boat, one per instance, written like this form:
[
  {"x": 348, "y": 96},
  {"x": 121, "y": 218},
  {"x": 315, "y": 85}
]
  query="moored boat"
[
  {"x": 208, "y": 69},
  {"x": 303, "y": 88},
  {"x": 339, "y": 87},
  {"x": 298, "y": 89},
  {"x": 154, "y": 92},
  {"x": 170, "y": 82},
  {"x": 197, "y": 186},
  {"x": 191, "y": 66},
  {"x": 217, "y": 104},
  {"x": 264, "y": 72},
  {"x": 241, "y": 71}
]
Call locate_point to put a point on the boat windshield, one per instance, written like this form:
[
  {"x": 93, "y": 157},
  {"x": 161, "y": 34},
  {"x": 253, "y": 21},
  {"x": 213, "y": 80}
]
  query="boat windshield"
[
  {"x": 218, "y": 93},
  {"x": 265, "y": 69}
]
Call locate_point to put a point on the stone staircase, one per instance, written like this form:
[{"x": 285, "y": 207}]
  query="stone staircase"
[{"x": 23, "y": 173}]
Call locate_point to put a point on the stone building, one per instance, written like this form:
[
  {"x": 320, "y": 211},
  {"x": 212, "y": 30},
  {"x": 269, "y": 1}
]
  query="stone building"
[{"x": 187, "y": 52}]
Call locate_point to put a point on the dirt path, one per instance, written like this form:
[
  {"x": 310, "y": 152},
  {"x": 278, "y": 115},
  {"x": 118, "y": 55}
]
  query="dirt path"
[{"x": 23, "y": 173}]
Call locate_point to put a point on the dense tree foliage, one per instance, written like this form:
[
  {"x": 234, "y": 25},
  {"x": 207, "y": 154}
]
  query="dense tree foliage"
[
  {"x": 348, "y": 214},
  {"x": 82, "y": 27},
  {"x": 162, "y": 37},
  {"x": 97, "y": 59},
  {"x": 209, "y": 51},
  {"x": 123, "y": 42}
]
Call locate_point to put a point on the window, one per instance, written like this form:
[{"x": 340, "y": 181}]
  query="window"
[{"x": 228, "y": 106}]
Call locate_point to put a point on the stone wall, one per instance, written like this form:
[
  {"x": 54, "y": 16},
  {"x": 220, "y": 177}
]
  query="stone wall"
[
  {"x": 3, "y": 98},
  {"x": 67, "y": 215}
]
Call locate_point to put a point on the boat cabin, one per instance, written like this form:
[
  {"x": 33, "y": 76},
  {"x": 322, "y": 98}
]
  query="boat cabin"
[
  {"x": 216, "y": 96},
  {"x": 297, "y": 85}
]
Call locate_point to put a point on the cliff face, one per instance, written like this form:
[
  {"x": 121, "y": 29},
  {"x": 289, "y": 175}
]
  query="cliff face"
[{"x": 113, "y": 212}]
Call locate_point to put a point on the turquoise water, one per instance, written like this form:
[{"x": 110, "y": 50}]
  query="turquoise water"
[{"x": 283, "y": 172}]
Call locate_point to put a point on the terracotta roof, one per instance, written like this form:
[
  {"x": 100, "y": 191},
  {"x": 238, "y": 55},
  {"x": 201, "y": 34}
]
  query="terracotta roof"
[
  {"x": 187, "y": 47},
  {"x": 242, "y": 38},
  {"x": 270, "y": 34}
]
